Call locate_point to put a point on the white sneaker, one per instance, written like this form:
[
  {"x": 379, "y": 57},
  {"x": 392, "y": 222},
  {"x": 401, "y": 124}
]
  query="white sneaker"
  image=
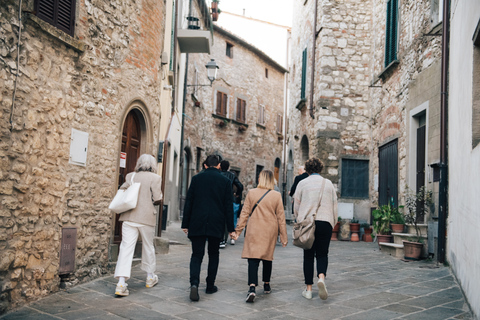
[
  {"x": 232, "y": 242},
  {"x": 152, "y": 281},
  {"x": 307, "y": 294},
  {"x": 322, "y": 289},
  {"x": 121, "y": 290}
]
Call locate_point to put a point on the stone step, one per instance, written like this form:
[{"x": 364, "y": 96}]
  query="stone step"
[
  {"x": 422, "y": 227},
  {"x": 392, "y": 249},
  {"x": 398, "y": 238}
]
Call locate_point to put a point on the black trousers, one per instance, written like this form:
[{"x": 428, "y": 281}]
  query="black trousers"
[
  {"x": 323, "y": 233},
  {"x": 198, "y": 251},
  {"x": 253, "y": 271}
]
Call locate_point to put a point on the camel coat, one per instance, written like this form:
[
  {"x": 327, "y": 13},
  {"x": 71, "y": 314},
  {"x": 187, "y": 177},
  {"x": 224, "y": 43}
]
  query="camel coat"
[
  {"x": 150, "y": 192},
  {"x": 264, "y": 225}
]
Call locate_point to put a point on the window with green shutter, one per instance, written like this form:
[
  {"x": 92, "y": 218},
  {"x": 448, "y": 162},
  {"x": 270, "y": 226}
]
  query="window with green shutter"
[
  {"x": 354, "y": 178},
  {"x": 59, "y": 13},
  {"x": 391, "y": 32},
  {"x": 304, "y": 74}
]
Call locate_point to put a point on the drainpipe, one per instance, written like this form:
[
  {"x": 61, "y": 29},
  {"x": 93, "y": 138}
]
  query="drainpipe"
[
  {"x": 443, "y": 187},
  {"x": 175, "y": 41},
  {"x": 313, "y": 60}
]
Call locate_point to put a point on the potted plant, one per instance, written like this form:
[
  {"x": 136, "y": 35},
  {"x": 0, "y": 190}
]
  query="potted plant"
[
  {"x": 354, "y": 229},
  {"x": 413, "y": 202},
  {"x": 367, "y": 232},
  {"x": 398, "y": 221},
  {"x": 336, "y": 229},
  {"x": 382, "y": 218}
]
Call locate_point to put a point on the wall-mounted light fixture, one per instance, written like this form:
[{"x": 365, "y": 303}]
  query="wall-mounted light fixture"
[{"x": 212, "y": 68}]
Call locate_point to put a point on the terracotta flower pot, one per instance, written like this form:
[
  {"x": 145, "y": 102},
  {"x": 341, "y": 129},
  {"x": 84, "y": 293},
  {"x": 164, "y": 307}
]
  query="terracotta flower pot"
[
  {"x": 412, "y": 250},
  {"x": 384, "y": 238},
  {"x": 354, "y": 227},
  {"x": 335, "y": 232},
  {"x": 367, "y": 236},
  {"x": 397, "y": 228}
]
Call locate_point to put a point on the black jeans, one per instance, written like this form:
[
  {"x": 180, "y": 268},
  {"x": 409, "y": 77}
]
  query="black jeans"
[
  {"x": 323, "y": 233},
  {"x": 253, "y": 271},
  {"x": 198, "y": 251}
]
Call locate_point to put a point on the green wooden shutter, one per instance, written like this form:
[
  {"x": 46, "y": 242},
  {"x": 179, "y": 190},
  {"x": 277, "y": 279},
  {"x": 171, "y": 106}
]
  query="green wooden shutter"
[
  {"x": 391, "y": 31},
  {"x": 304, "y": 74}
]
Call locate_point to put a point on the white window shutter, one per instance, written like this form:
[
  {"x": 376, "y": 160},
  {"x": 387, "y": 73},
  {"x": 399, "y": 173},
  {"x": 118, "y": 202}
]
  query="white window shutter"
[{"x": 78, "y": 147}]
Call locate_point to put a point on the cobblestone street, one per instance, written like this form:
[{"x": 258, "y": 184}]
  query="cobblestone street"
[{"x": 363, "y": 283}]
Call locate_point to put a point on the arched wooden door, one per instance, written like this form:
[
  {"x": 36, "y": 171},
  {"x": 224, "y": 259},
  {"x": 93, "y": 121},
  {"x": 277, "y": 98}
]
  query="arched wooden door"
[{"x": 131, "y": 139}]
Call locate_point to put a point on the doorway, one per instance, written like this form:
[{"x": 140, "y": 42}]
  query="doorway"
[
  {"x": 131, "y": 145},
  {"x": 420, "y": 164},
  {"x": 388, "y": 174}
]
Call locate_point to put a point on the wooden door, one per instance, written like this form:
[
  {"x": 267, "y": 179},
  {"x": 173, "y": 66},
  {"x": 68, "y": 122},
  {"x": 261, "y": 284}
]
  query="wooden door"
[
  {"x": 388, "y": 174},
  {"x": 420, "y": 176},
  {"x": 131, "y": 139}
]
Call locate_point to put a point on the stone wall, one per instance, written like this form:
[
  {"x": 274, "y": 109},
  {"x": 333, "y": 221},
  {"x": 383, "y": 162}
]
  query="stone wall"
[
  {"x": 242, "y": 76},
  {"x": 403, "y": 87},
  {"x": 340, "y": 127},
  {"x": 87, "y": 82}
]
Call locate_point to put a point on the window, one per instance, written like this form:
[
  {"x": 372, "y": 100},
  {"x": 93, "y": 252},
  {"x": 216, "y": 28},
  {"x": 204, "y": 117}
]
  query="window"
[
  {"x": 222, "y": 99},
  {"x": 257, "y": 173},
  {"x": 279, "y": 123},
  {"x": 229, "y": 51},
  {"x": 261, "y": 115},
  {"x": 266, "y": 73},
  {"x": 304, "y": 74},
  {"x": 476, "y": 88},
  {"x": 436, "y": 11},
  {"x": 241, "y": 106},
  {"x": 354, "y": 178},
  {"x": 391, "y": 32},
  {"x": 58, "y": 13}
]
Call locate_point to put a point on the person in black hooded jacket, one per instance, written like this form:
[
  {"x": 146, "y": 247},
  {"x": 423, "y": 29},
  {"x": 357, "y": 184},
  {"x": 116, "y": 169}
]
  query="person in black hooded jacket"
[
  {"x": 208, "y": 207},
  {"x": 237, "y": 197}
]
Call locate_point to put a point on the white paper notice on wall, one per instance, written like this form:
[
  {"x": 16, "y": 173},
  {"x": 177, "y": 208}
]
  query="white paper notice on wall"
[
  {"x": 123, "y": 159},
  {"x": 78, "y": 147},
  {"x": 375, "y": 182}
]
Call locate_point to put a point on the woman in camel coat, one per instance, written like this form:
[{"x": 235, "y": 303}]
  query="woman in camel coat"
[{"x": 265, "y": 223}]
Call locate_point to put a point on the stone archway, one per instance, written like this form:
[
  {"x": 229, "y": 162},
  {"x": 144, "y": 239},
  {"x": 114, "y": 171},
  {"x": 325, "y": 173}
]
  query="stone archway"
[
  {"x": 305, "y": 149},
  {"x": 135, "y": 139}
]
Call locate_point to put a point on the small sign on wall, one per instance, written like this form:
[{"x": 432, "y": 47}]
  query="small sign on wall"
[{"x": 123, "y": 159}]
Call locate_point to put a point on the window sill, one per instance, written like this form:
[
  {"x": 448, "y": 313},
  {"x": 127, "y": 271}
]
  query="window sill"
[
  {"x": 239, "y": 123},
  {"x": 383, "y": 74},
  {"x": 76, "y": 45},
  {"x": 301, "y": 104},
  {"x": 261, "y": 126},
  {"x": 220, "y": 117}
]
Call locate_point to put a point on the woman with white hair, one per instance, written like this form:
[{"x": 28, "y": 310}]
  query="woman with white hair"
[{"x": 140, "y": 220}]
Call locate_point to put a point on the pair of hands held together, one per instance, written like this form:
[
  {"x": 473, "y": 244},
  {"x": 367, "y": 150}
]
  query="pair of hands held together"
[{"x": 235, "y": 236}]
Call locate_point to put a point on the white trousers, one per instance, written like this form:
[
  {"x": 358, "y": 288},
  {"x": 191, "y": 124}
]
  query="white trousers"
[{"x": 130, "y": 231}]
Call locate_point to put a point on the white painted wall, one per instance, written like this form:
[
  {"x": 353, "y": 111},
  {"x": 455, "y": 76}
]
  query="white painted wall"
[
  {"x": 463, "y": 251},
  {"x": 269, "y": 37}
]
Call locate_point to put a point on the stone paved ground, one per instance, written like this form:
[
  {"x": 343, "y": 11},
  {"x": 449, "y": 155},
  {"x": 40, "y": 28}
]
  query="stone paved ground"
[{"x": 362, "y": 283}]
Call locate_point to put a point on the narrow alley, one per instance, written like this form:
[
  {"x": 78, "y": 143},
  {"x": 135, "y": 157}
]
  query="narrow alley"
[{"x": 362, "y": 283}]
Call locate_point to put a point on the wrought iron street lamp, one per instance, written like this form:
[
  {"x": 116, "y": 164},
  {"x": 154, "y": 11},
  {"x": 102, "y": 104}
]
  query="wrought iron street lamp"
[{"x": 212, "y": 69}]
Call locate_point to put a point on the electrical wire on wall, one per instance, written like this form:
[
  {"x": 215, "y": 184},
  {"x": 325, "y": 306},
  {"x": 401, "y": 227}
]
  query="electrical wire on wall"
[{"x": 18, "y": 62}]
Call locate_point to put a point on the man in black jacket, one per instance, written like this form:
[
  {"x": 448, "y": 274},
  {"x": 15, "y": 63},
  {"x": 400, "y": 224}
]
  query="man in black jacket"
[
  {"x": 302, "y": 174},
  {"x": 208, "y": 207}
]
